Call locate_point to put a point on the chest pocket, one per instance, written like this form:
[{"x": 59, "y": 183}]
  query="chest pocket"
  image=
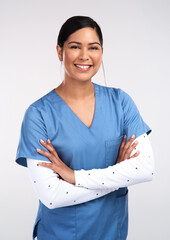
[{"x": 112, "y": 150}]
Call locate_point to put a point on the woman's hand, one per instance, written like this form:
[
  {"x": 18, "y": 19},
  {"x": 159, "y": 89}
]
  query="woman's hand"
[
  {"x": 126, "y": 149},
  {"x": 56, "y": 164}
]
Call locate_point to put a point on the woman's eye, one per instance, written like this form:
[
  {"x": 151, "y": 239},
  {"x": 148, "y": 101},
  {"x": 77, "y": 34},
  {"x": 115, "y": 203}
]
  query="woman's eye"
[
  {"x": 75, "y": 47},
  {"x": 94, "y": 48}
]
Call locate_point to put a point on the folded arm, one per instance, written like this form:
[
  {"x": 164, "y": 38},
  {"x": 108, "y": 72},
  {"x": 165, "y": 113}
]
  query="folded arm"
[
  {"x": 129, "y": 172},
  {"x": 54, "y": 192}
]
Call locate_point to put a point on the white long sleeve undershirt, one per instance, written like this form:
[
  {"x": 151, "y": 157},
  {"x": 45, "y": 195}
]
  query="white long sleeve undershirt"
[
  {"x": 129, "y": 172},
  {"x": 55, "y": 192}
]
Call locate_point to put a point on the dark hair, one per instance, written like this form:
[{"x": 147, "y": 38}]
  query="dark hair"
[{"x": 75, "y": 23}]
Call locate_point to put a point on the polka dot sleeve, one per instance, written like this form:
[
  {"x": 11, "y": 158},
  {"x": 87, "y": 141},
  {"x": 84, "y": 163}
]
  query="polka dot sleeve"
[
  {"x": 129, "y": 172},
  {"x": 54, "y": 192}
]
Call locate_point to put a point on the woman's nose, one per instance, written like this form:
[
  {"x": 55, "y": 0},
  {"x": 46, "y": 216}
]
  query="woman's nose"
[{"x": 84, "y": 54}]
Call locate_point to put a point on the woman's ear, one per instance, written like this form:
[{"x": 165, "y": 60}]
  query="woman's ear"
[{"x": 60, "y": 52}]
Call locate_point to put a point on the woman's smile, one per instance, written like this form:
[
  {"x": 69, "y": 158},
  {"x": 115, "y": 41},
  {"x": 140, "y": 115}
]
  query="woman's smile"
[{"x": 82, "y": 67}]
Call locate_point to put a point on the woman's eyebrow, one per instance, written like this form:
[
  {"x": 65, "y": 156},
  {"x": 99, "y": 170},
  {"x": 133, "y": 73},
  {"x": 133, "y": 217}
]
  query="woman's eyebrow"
[{"x": 80, "y": 43}]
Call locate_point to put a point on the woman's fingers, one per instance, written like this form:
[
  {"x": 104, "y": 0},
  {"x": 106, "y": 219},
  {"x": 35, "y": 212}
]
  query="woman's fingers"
[
  {"x": 48, "y": 165},
  {"x": 122, "y": 143},
  {"x": 49, "y": 147},
  {"x": 130, "y": 149},
  {"x": 51, "y": 155},
  {"x": 46, "y": 154},
  {"x": 120, "y": 153},
  {"x": 125, "y": 149},
  {"x": 129, "y": 142},
  {"x": 136, "y": 154}
]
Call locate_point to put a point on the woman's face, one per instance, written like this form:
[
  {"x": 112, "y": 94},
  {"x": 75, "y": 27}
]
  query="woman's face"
[{"x": 81, "y": 54}]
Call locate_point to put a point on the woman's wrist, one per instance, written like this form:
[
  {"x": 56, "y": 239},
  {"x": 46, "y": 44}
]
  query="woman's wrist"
[{"x": 67, "y": 174}]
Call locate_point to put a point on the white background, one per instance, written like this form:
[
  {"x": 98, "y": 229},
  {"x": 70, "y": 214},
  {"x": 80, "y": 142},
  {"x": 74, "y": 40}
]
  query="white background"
[{"x": 136, "y": 59}]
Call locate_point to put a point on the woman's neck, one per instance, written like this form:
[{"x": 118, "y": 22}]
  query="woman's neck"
[{"x": 76, "y": 90}]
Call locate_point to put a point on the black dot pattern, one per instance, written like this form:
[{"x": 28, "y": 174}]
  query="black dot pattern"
[
  {"x": 103, "y": 183},
  {"x": 128, "y": 180}
]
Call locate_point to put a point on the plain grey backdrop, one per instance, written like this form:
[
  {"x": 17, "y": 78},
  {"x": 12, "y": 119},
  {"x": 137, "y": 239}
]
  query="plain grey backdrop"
[{"x": 136, "y": 59}]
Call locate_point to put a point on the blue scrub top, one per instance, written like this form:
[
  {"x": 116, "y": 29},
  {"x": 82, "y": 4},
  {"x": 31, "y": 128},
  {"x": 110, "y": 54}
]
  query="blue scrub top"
[{"x": 80, "y": 147}]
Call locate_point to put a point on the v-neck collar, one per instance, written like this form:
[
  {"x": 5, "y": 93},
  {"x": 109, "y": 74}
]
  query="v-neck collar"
[{"x": 74, "y": 116}]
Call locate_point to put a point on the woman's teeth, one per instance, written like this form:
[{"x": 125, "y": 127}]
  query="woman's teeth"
[{"x": 83, "y": 67}]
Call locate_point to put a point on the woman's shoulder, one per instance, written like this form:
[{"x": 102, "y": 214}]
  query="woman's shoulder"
[{"x": 114, "y": 91}]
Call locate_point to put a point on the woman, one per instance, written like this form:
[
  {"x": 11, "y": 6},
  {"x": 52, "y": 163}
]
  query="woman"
[{"x": 77, "y": 141}]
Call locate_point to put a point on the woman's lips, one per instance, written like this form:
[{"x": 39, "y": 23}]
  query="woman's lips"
[{"x": 83, "y": 67}]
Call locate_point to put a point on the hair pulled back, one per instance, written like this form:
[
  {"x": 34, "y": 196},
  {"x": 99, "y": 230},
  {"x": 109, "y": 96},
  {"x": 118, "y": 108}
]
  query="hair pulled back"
[{"x": 75, "y": 23}]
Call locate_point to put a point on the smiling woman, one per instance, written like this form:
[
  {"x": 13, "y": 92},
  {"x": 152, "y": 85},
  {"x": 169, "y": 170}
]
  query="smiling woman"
[
  {"x": 78, "y": 142},
  {"x": 81, "y": 53}
]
